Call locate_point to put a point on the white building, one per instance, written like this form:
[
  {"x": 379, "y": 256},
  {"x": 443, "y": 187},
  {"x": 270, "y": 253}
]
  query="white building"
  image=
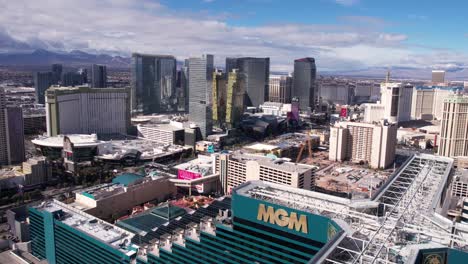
[
  {"x": 237, "y": 167},
  {"x": 363, "y": 142},
  {"x": 397, "y": 99},
  {"x": 82, "y": 110},
  {"x": 454, "y": 127},
  {"x": 276, "y": 109},
  {"x": 335, "y": 91},
  {"x": 162, "y": 133},
  {"x": 373, "y": 112},
  {"x": 428, "y": 101}
]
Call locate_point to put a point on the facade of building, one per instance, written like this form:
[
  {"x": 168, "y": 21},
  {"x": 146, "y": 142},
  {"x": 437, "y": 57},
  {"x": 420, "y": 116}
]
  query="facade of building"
[
  {"x": 237, "y": 168},
  {"x": 15, "y": 130},
  {"x": 42, "y": 82},
  {"x": 256, "y": 72},
  {"x": 363, "y": 142},
  {"x": 219, "y": 91},
  {"x": 98, "y": 76},
  {"x": 235, "y": 95},
  {"x": 11, "y": 133},
  {"x": 63, "y": 234},
  {"x": 396, "y": 99},
  {"x": 56, "y": 73},
  {"x": 304, "y": 84},
  {"x": 280, "y": 89},
  {"x": 153, "y": 83},
  {"x": 454, "y": 127},
  {"x": 72, "y": 79},
  {"x": 428, "y": 101},
  {"x": 112, "y": 200},
  {"x": 373, "y": 112},
  {"x": 200, "y": 93},
  {"x": 334, "y": 91},
  {"x": 37, "y": 171},
  {"x": 82, "y": 110},
  {"x": 438, "y": 77},
  {"x": 244, "y": 229},
  {"x": 163, "y": 133}
]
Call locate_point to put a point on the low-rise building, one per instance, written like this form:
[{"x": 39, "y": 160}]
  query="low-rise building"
[
  {"x": 237, "y": 167},
  {"x": 112, "y": 200},
  {"x": 162, "y": 133}
]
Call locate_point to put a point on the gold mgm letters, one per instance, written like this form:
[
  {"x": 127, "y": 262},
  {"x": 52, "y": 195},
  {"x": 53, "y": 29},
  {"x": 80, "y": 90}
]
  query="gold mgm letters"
[{"x": 281, "y": 218}]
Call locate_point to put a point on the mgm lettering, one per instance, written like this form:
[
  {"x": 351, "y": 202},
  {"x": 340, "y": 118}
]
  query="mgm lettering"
[{"x": 281, "y": 218}]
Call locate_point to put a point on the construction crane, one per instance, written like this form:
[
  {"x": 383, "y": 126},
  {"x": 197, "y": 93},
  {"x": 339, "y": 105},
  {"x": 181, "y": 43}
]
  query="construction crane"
[{"x": 309, "y": 145}]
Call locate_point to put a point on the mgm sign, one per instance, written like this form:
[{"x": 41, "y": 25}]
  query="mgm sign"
[{"x": 282, "y": 218}]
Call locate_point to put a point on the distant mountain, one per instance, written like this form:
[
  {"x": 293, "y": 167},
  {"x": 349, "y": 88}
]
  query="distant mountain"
[
  {"x": 42, "y": 57},
  {"x": 402, "y": 73}
]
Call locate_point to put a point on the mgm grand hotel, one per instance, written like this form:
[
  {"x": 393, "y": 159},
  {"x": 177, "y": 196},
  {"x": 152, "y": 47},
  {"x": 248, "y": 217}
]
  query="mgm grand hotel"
[{"x": 268, "y": 223}]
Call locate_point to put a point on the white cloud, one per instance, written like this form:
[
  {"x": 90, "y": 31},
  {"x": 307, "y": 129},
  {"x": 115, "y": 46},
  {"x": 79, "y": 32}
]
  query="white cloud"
[
  {"x": 125, "y": 26},
  {"x": 347, "y": 2}
]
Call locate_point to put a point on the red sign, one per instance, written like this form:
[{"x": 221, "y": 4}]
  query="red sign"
[
  {"x": 344, "y": 112},
  {"x": 187, "y": 175}
]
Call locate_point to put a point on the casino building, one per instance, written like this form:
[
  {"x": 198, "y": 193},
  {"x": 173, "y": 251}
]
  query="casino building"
[
  {"x": 265, "y": 222},
  {"x": 241, "y": 229}
]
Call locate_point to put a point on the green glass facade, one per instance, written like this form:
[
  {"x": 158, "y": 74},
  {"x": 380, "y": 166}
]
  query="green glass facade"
[
  {"x": 60, "y": 243},
  {"x": 250, "y": 240}
]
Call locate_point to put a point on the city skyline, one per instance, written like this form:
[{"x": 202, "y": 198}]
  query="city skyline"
[{"x": 341, "y": 35}]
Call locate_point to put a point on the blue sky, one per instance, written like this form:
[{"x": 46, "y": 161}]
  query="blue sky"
[{"x": 340, "y": 34}]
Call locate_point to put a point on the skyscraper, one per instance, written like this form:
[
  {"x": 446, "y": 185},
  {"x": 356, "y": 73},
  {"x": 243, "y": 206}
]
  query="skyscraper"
[
  {"x": 280, "y": 89},
  {"x": 98, "y": 76},
  {"x": 153, "y": 82},
  {"x": 200, "y": 92},
  {"x": 304, "y": 84},
  {"x": 235, "y": 95},
  {"x": 57, "y": 73},
  {"x": 11, "y": 133},
  {"x": 72, "y": 79},
  {"x": 438, "y": 77},
  {"x": 219, "y": 96},
  {"x": 256, "y": 72},
  {"x": 454, "y": 127},
  {"x": 397, "y": 100},
  {"x": 42, "y": 82}
]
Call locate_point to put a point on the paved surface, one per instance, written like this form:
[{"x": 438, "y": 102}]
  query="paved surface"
[{"x": 7, "y": 257}]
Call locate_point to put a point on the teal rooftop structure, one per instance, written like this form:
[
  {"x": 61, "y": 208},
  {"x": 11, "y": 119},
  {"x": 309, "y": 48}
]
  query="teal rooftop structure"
[{"x": 127, "y": 179}]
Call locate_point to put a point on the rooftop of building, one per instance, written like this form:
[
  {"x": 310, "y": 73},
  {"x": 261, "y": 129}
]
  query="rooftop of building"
[
  {"x": 163, "y": 127},
  {"x": 149, "y": 229},
  {"x": 457, "y": 99},
  {"x": 127, "y": 179},
  {"x": 83, "y": 89},
  {"x": 118, "y": 149},
  {"x": 78, "y": 140},
  {"x": 440, "y": 87},
  {"x": 202, "y": 164},
  {"x": 119, "y": 185},
  {"x": 279, "y": 163},
  {"x": 151, "y": 219},
  {"x": 109, "y": 234}
]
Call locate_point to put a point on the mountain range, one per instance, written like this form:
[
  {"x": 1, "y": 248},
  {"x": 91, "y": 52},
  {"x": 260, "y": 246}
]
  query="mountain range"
[{"x": 75, "y": 58}]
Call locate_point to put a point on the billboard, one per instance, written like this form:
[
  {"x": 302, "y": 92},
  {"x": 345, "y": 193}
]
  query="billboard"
[
  {"x": 344, "y": 112},
  {"x": 315, "y": 227},
  {"x": 187, "y": 175}
]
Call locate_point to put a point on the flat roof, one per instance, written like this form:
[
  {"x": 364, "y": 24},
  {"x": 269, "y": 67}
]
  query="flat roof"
[
  {"x": 90, "y": 225},
  {"x": 78, "y": 140},
  {"x": 280, "y": 164}
]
